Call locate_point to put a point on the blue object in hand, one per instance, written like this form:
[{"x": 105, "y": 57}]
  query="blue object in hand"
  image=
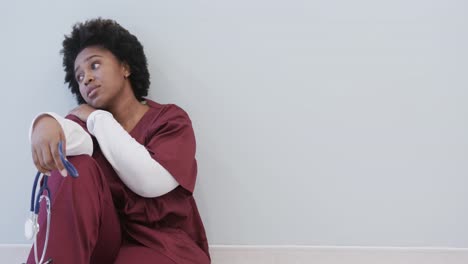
[{"x": 70, "y": 168}]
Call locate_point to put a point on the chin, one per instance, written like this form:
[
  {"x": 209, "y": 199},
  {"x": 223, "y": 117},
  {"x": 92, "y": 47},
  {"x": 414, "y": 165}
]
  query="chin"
[{"x": 95, "y": 104}]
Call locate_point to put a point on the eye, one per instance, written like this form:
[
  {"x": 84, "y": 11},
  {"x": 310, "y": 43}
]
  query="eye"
[
  {"x": 95, "y": 65},
  {"x": 79, "y": 78}
]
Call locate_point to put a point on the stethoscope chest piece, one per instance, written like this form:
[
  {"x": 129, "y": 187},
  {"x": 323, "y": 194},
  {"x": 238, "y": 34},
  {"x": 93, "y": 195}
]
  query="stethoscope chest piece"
[{"x": 30, "y": 228}]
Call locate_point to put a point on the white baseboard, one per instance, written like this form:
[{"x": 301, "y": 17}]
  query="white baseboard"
[
  {"x": 336, "y": 255},
  {"x": 221, "y": 254}
]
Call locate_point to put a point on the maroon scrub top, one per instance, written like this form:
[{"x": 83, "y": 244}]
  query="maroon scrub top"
[{"x": 170, "y": 223}]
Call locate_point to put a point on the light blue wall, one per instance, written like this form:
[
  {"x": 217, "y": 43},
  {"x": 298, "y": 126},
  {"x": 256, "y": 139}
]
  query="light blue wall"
[{"x": 318, "y": 122}]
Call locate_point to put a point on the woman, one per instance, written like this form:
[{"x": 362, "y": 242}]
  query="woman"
[{"x": 132, "y": 202}]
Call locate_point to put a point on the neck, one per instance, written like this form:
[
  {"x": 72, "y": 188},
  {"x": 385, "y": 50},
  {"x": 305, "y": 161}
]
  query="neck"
[{"x": 128, "y": 111}]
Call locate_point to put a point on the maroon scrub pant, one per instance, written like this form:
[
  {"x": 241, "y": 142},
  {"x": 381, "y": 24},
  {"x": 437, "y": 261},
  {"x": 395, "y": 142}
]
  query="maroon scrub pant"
[{"x": 85, "y": 227}]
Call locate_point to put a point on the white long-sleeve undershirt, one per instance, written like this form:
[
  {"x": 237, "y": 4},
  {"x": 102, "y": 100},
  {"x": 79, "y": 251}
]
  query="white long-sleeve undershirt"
[{"x": 131, "y": 160}]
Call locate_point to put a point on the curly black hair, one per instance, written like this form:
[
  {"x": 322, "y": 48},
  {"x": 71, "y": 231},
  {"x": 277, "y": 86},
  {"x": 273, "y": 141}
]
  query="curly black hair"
[{"x": 108, "y": 34}]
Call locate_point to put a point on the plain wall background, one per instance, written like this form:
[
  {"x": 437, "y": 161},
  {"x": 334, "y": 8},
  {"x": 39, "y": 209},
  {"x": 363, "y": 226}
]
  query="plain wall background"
[{"x": 318, "y": 122}]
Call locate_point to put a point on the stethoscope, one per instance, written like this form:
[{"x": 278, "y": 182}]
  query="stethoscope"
[{"x": 31, "y": 227}]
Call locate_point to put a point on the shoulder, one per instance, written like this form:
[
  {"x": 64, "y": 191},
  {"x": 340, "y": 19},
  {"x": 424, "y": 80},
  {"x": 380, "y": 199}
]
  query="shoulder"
[{"x": 162, "y": 113}]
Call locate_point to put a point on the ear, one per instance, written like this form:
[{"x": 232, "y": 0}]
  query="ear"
[{"x": 126, "y": 70}]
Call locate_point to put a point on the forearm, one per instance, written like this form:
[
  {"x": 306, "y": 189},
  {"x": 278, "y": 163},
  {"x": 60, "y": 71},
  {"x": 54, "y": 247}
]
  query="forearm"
[{"x": 131, "y": 160}]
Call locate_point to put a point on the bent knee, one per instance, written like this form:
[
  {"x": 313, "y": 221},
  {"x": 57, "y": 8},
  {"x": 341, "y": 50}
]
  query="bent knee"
[
  {"x": 86, "y": 166},
  {"x": 82, "y": 161}
]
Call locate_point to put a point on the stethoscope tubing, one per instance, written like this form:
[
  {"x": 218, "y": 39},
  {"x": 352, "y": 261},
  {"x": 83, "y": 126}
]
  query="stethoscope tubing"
[{"x": 36, "y": 199}]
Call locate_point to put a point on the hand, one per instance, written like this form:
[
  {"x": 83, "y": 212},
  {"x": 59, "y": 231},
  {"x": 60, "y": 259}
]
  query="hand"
[
  {"x": 45, "y": 138},
  {"x": 82, "y": 111}
]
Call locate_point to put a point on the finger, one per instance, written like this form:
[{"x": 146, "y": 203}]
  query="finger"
[
  {"x": 58, "y": 161},
  {"x": 47, "y": 159},
  {"x": 37, "y": 157},
  {"x": 36, "y": 160}
]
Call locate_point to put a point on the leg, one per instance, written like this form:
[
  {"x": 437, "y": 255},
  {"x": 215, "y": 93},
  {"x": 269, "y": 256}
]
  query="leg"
[
  {"x": 135, "y": 253},
  {"x": 84, "y": 224}
]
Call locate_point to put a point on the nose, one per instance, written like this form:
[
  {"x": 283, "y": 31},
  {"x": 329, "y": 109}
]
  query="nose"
[{"x": 89, "y": 77}]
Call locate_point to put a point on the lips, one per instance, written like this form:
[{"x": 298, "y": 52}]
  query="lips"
[{"x": 92, "y": 91}]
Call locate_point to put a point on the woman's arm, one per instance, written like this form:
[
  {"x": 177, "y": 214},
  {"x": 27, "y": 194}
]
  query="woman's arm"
[
  {"x": 131, "y": 160},
  {"x": 78, "y": 141},
  {"x": 46, "y": 132}
]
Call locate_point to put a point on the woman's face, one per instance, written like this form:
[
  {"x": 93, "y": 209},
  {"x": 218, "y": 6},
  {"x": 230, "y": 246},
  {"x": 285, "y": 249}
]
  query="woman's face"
[{"x": 100, "y": 76}]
